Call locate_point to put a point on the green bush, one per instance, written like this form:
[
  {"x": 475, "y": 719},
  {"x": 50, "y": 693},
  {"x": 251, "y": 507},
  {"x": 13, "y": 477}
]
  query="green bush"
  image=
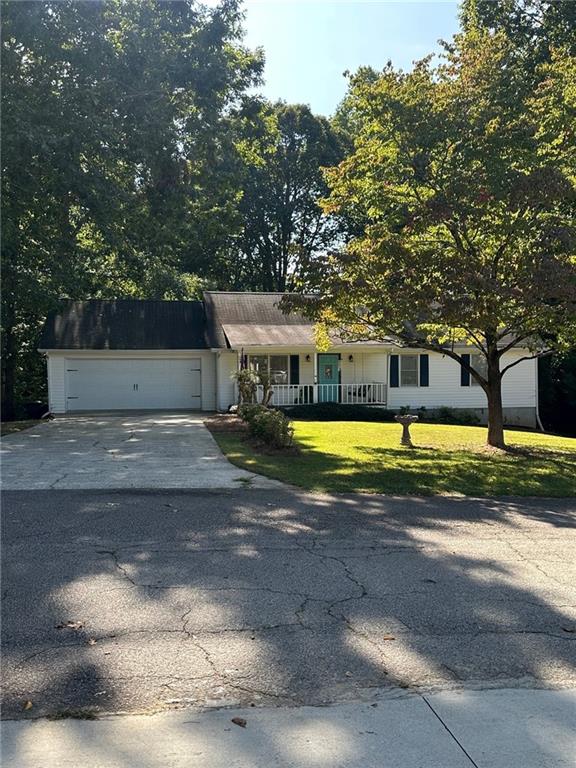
[
  {"x": 445, "y": 415},
  {"x": 268, "y": 425},
  {"x": 248, "y": 411},
  {"x": 345, "y": 412},
  {"x": 247, "y": 381},
  {"x": 339, "y": 412}
]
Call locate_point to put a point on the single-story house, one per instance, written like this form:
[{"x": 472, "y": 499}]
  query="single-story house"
[{"x": 136, "y": 355}]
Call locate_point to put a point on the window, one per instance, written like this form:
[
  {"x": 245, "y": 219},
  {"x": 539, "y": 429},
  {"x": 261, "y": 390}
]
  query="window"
[
  {"x": 408, "y": 370},
  {"x": 279, "y": 369},
  {"x": 480, "y": 365},
  {"x": 259, "y": 363},
  {"x": 276, "y": 365}
]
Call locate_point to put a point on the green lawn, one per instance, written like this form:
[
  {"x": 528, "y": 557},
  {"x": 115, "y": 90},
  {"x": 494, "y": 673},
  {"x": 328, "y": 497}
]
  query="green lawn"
[{"x": 344, "y": 456}]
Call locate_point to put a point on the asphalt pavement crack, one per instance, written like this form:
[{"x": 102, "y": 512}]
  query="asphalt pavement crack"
[
  {"x": 535, "y": 564},
  {"x": 363, "y": 592},
  {"x": 59, "y": 479}
]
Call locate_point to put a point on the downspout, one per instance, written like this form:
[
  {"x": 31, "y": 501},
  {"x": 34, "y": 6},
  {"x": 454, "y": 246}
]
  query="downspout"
[
  {"x": 217, "y": 381},
  {"x": 387, "y": 376},
  {"x": 538, "y": 420}
]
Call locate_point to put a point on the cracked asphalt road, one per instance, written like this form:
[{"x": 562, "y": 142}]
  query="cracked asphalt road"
[{"x": 258, "y": 597}]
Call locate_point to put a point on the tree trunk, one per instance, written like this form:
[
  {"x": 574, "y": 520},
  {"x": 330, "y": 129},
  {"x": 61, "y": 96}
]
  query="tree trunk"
[
  {"x": 9, "y": 345},
  {"x": 494, "y": 395},
  {"x": 8, "y": 375}
]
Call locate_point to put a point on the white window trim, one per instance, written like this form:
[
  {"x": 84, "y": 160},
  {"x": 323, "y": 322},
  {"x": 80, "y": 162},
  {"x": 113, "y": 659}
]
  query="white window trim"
[
  {"x": 268, "y": 356},
  {"x": 473, "y": 380},
  {"x": 408, "y": 386}
]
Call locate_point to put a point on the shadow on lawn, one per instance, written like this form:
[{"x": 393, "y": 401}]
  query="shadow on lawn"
[
  {"x": 420, "y": 470},
  {"x": 274, "y": 598}
]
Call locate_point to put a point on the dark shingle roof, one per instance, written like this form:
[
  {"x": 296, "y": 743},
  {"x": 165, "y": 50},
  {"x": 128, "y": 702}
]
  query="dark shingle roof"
[
  {"x": 245, "y": 309},
  {"x": 126, "y": 324}
]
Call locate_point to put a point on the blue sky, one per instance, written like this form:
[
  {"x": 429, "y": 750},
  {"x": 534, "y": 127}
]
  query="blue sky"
[{"x": 310, "y": 43}]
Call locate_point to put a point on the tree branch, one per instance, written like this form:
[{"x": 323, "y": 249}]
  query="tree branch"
[{"x": 526, "y": 357}]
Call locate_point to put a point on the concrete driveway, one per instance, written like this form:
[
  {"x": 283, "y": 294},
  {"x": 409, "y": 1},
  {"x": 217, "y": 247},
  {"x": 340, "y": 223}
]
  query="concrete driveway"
[{"x": 161, "y": 450}]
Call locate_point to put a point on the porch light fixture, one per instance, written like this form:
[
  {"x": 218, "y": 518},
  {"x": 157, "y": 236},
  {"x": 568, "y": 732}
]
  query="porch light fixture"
[
  {"x": 350, "y": 358},
  {"x": 307, "y": 358}
]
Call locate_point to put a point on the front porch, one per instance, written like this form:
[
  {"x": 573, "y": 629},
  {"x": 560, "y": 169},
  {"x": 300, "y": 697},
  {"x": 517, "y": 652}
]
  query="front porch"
[
  {"x": 350, "y": 375},
  {"x": 361, "y": 393}
]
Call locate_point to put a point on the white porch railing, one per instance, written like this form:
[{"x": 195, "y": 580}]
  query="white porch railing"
[{"x": 373, "y": 393}]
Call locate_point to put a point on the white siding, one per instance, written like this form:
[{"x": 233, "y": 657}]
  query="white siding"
[
  {"x": 56, "y": 383},
  {"x": 306, "y": 368},
  {"x": 365, "y": 367},
  {"x": 227, "y": 363},
  {"x": 375, "y": 367},
  {"x": 518, "y": 386},
  {"x": 209, "y": 382}
]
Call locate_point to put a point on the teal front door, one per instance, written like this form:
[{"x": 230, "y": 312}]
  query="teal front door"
[{"x": 328, "y": 378}]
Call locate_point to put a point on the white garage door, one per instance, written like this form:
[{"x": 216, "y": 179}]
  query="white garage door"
[{"x": 133, "y": 384}]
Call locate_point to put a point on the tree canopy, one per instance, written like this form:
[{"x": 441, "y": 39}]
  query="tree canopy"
[
  {"x": 137, "y": 162},
  {"x": 120, "y": 168},
  {"x": 535, "y": 27},
  {"x": 465, "y": 180},
  {"x": 284, "y": 230}
]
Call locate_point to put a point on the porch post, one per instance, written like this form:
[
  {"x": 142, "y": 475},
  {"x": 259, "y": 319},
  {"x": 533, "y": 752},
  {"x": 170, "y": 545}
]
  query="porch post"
[{"x": 315, "y": 387}]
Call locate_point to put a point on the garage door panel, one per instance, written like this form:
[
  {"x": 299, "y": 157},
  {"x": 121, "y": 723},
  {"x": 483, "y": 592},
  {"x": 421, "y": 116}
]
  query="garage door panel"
[{"x": 133, "y": 384}]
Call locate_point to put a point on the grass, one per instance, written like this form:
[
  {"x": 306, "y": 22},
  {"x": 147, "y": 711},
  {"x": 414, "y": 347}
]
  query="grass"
[
  {"x": 9, "y": 427},
  {"x": 342, "y": 456}
]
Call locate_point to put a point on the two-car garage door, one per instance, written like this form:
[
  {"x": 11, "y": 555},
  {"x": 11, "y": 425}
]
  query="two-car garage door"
[{"x": 133, "y": 384}]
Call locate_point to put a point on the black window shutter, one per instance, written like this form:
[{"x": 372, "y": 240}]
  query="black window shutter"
[
  {"x": 464, "y": 374},
  {"x": 424, "y": 370},
  {"x": 294, "y": 369},
  {"x": 394, "y": 371}
]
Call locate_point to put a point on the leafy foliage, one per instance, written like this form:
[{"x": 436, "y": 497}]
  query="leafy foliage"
[
  {"x": 536, "y": 27},
  {"x": 464, "y": 175},
  {"x": 247, "y": 381},
  {"x": 268, "y": 425},
  {"x": 120, "y": 165},
  {"x": 284, "y": 230},
  {"x": 557, "y": 381},
  {"x": 339, "y": 412}
]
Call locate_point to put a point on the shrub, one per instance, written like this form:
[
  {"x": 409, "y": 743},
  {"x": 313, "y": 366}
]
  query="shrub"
[
  {"x": 268, "y": 425},
  {"x": 247, "y": 411},
  {"x": 339, "y": 412},
  {"x": 445, "y": 415},
  {"x": 247, "y": 381}
]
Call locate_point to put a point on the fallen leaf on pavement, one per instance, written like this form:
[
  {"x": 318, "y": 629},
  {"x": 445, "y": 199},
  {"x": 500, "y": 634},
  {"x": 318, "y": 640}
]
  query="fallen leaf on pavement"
[
  {"x": 27, "y": 705},
  {"x": 70, "y": 625},
  {"x": 92, "y": 641},
  {"x": 388, "y": 637},
  {"x": 239, "y": 721}
]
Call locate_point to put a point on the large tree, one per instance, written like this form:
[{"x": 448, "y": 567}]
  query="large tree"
[
  {"x": 119, "y": 164},
  {"x": 536, "y": 27},
  {"x": 465, "y": 178},
  {"x": 284, "y": 230}
]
